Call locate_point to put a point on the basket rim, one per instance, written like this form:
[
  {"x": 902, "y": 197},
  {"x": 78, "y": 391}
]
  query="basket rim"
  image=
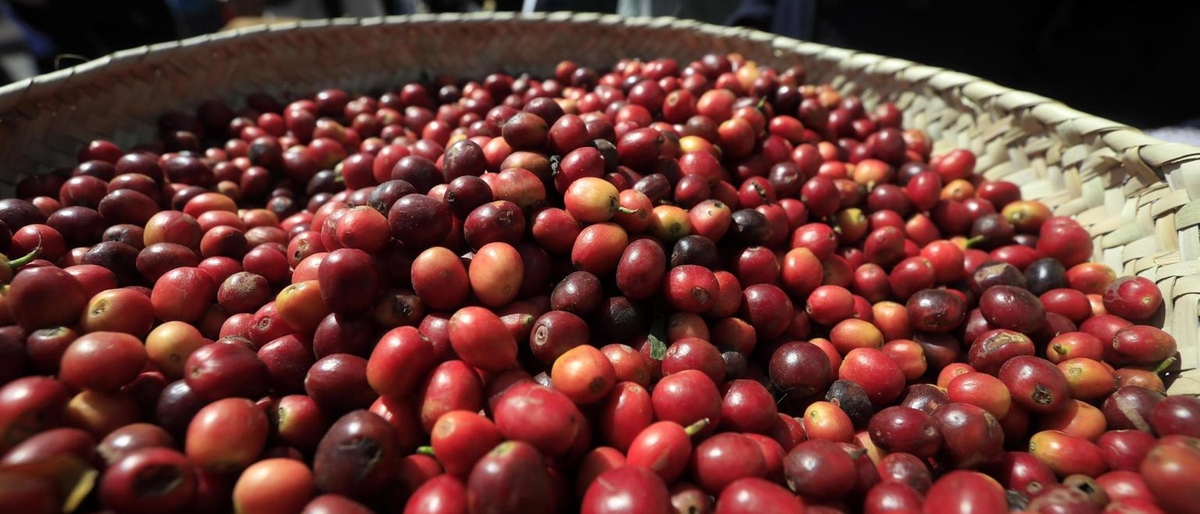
[{"x": 1122, "y": 138}]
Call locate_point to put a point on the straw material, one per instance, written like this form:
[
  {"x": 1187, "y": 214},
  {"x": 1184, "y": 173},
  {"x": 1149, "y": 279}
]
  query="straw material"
[{"x": 1138, "y": 196}]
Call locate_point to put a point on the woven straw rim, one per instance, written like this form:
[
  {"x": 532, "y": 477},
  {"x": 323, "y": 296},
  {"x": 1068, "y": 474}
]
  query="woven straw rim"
[{"x": 1154, "y": 152}]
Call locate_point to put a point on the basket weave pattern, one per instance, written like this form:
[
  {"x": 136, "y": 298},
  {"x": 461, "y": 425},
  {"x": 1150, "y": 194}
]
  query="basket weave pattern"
[{"x": 1138, "y": 196}]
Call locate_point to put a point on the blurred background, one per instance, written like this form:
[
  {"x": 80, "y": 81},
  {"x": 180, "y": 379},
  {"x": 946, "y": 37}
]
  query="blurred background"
[{"x": 1128, "y": 62}]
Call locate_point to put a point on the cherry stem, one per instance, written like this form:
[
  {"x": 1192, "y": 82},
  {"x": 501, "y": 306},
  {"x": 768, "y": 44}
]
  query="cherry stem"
[
  {"x": 425, "y": 450},
  {"x": 1162, "y": 366},
  {"x": 1058, "y": 348},
  {"x": 26, "y": 259},
  {"x": 626, "y": 210},
  {"x": 974, "y": 240},
  {"x": 696, "y": 427}
]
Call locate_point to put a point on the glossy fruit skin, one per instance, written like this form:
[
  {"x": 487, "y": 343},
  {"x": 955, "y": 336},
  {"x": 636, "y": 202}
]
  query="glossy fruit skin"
[
  {"x": 690, "y": 288},
  {"x": 540, "y": 416},
  {"x": 1104, "y": 326},
  {"x": 890, "y": 497},
  {"x": 747, "y": 406},
  {"x": 800, "y": 369},
  {"x": 170, "y": 301},
  {"x": 1132, "y": 298},
  {"x": 555, "y": 332},
  {"x": 338, "y": 383},
  {"x": 53, "y": 442},
  {"x": 599, "y": 247},
  {"x": 1066, "y": 454},
  {"x": 1022, "y": 472},
  {"x": 641, "y": 269},
  {"x": 102, "y": 360},
  {"x": 627, "y": 489},
  {"x": 399, "y": 362},
  {"x": 1177, "y": 415},
  {"x": 496, "y": 273},
  {"x": 149, "y": 480},
  {"x": 907, "y": 430},
  {"x": 441, "y": 494},
  {"x": 591, "y": 200},
  {"x": 1124, "y": 450},
  {"x": 1069, "y": 345},
  {"x": 226, "y": 370},
  {"x": 349, "y": 280},
  {"x": 584, "y": 374},
  {"x": 1064, "y": 240},
  {"x": 829, "y": 304},
  {"x": 1140, "y": 344},
  {"x": 479, "y": 338},
  {"x": 1131, "y": 407},
  {"x": 936, "y": 310},
  {"x": 663, "y": 447},
  {"x": 357, "y": 457},
  {"x": 910, "y": 356},
  {"x": 451, "y": 385},
  {"x": 273, "y": 486},
  {"x": 724, "y": 458},
  {"x": 751, "y": 494},
  {"x": 1068, "y": 302},
  {"x": 460, "y": 438},
  {"x": 853, "y": 333},
  {"x": 243, "y": 292},
  {"x": 1124, "y": 485},
  {"x": 297, "y": 421},
  {"x": 767, "y": 308},
  {"x": 879, "y": 375},
  {"x": 981, "y": 390},
  {"x": 226, "y": 435},
  {"x": 1035, "y": 383},
  {"x": 972, "y": 436},
  {"x": 965, "y": 491},
  {"x": 905, "y": 468},
  {"x": 119, "y": 310},
  {"x": 1168, "y": 467},
  {"x": 335, "y": 503},
  {"x": 419, "y": 221},
  {"x": 1012, "y": 308},
  {"x": 992, "y": 349},
  {"x": 510, "y": 478},
  {"x": 45, "y": 297},
  {"x": 440, "y": 279},
  {"x": 826, "y": 421},
  {"x": 693, "y": 353}
]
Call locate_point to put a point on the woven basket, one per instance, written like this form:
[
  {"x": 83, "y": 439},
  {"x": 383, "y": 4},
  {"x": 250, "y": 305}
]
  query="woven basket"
[{"x": 1138, "y": 196}]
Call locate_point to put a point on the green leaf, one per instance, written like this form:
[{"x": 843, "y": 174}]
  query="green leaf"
[
  {"x": 658, "y": 349},
  {"x": 658, "y": 332}
]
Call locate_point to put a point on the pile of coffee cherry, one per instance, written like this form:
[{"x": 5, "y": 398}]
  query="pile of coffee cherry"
[{"x": 663, "y": 287}]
